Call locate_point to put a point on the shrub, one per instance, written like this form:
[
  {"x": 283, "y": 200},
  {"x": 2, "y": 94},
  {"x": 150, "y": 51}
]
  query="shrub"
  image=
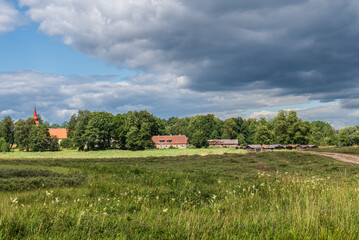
[
  {"x": 25, "y": 179},
  {"x": 67, "y": 143},
  {"x": 4, "y": 146},
  {"x": 54, "y": 145}
]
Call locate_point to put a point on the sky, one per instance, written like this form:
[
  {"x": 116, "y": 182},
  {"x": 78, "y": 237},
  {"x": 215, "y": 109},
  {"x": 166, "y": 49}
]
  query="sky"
[{"x": 248, "y": 58}]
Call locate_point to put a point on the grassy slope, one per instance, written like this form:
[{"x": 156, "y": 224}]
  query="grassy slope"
[
  {"x": 271, "y": 195},
  {"x": 346, "y": 150},
  {"x": 117, "y": 153}
]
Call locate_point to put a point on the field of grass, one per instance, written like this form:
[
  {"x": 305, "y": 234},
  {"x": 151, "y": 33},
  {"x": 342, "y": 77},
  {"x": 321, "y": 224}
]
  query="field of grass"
[
  {"x": 270, "y": 195},
  {"x": 346, "y": 150},
  {"x": 66, "y": 154}
]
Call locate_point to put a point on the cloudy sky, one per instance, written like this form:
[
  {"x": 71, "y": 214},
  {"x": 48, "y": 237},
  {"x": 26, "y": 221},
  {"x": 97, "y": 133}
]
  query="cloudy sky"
[{"x": 246, "y": 58}]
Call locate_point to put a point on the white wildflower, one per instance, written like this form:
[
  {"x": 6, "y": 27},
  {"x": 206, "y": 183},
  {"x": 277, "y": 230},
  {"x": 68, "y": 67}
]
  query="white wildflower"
[{"x": 14, "y": 201}]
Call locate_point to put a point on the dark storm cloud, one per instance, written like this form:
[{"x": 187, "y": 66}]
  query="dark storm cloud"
[{"x": 300, "y": 47}]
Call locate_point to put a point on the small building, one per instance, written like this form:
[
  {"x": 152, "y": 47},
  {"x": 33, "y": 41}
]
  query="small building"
[
  {"x": 176, "y": 141},
  {"x": 301, "y": 147},
  {"x": 58, "y": 133},
  {"x": 288, "y": 147},
  {"x": 275, "y": 147},
  {"x": 223, "y": 143},
  {"x": 253, "y": 148},
  {"x": 294, "y": 146}
]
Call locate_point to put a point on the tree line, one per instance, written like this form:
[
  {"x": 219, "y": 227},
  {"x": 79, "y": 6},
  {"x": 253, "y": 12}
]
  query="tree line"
[{"x": 133, "y": 131}]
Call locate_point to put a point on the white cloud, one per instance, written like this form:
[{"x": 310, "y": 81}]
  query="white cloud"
[
  {"x": 7, "y": 112},
  {"x": 9, "y": 17},
  {"x": 266, "y": 114},
  {"x": 214, "y": 45},
  {"x": 57, "y": 97}
]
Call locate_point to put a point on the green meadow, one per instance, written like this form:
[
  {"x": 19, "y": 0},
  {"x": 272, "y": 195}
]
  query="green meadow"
[
  {"x": 74, "y": 154},
  {"x": 270, "y": 195},
  {"x": 345, "y": 150}
]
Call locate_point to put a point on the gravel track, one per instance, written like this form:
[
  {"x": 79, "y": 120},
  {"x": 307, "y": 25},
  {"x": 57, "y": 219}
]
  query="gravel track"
[{"x": 337, "y": 156}]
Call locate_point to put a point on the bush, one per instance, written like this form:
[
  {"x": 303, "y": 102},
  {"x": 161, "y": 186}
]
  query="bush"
[
  {"x": 67, "y": 143},
  {"x": 54, "y": 145},
  {"x": 4, "y": 146},
  {"x": 25, "y": 179}
]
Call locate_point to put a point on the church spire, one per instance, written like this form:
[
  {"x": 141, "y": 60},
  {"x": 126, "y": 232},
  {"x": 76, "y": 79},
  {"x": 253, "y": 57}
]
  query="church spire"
[{"x": 36, "y": 117}]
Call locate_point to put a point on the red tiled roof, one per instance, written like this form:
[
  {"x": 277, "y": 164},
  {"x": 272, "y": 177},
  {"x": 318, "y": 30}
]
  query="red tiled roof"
[
  {"x": 178, "y": 139},
  {"x": 59, "y": 133}
]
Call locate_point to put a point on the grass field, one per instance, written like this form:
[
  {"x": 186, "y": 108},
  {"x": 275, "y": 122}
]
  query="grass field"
[
  {"x": 346, "y": 150},
  {"x": 271, "y": 195},
  {"x": 66, "y": 154}
]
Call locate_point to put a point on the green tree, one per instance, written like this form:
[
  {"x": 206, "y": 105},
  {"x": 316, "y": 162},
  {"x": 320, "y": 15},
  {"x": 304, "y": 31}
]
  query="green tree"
[
  {"x": 118, "y": 131},
  {"x": 22, "y": 133},
  {"x": 7, "y": 130},
  {"x": 281, "y": 126},
  {"x": 349, "y": 136},
  {"x": 78, "y": 135},
  {"x": 4, "y": 146},
  {"x": 263, "y": 135},
  {"x": 207, "y": 124},
  {"x": 199, "y": 139},
  {"x": 71, "y": 126},
  {"x": 241, "y": 139},
  {"x": 322, "y": 133},
  {"x": 145, "y": 125},
  {"x": 214, "y": 135},
  {"x": 54, "y": 125},
  {"x": 40, "y": 139},
  {"x": 229, "y": 129},
  {"x": 98, "y": 130},
  {"x": 54, "y": 145},
  {"x": 133, "y": 139},
  {"x": 252, "y": 126},
  {"x": 302, "y": 133},
  {"x": 67, "y": 143}
]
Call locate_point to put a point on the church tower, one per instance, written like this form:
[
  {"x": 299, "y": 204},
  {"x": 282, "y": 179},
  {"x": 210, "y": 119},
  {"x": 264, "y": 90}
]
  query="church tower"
[{"x": 35, "y": 117}]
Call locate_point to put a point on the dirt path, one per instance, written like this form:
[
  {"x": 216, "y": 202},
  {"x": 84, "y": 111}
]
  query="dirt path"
[{"x": 337, "y": 156}]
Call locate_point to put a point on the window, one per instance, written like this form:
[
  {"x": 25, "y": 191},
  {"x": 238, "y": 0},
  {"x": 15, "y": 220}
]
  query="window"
[
  {"x": 162, "y": 140},
  {"x": 169, "y": 141}
]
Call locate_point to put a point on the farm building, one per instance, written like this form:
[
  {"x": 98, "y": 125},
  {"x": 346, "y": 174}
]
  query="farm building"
[
  {"x": 288, "y": 147},
  {"x": 253, "y": 148},
  {"x": 177, "y": 141},
  {"x": 274, "y": 147},
  {"x": 58, "y": 133},
  {"x": 223, "y": 143},
  {"x": 307, "y": 146}
]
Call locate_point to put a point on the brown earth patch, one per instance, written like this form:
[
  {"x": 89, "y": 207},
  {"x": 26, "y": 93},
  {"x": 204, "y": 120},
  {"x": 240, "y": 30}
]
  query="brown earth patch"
[{"x": 337, "y": 156}]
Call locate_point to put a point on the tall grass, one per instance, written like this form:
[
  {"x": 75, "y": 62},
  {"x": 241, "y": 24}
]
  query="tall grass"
[
  {"x": 346, "y": 150},
  {"x": 276, "y": 195},
  {"x": 116, "y": 153}
]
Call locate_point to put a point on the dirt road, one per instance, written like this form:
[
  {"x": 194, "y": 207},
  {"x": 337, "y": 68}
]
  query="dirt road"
[{"x": 337, "y": 156}]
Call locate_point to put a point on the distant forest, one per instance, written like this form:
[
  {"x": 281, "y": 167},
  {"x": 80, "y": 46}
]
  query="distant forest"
[{"x": 133, "y": 131}]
